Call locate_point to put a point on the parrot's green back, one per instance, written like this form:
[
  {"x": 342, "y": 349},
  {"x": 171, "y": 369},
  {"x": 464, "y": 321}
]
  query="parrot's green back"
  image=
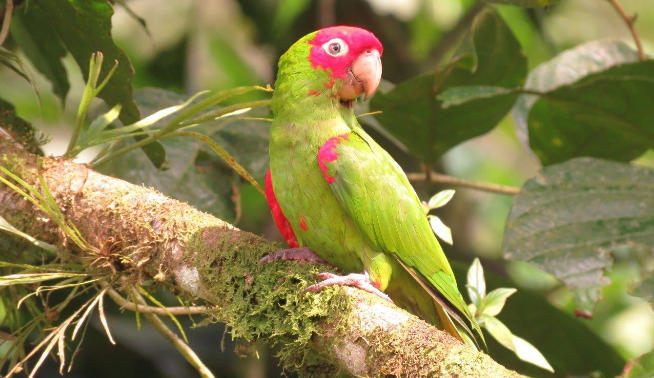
[{"x": 348, "y": 200}]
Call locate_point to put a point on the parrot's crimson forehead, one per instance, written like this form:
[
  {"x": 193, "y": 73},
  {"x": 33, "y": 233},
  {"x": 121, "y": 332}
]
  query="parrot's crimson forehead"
[{"x": 358, "y": 40}]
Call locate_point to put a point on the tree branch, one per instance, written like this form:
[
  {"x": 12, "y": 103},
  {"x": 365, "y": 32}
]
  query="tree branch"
[
  {"x": 445, "y": 179},
  {"x": 630, "y": 21},
  {"x": 142, "y": 234}
]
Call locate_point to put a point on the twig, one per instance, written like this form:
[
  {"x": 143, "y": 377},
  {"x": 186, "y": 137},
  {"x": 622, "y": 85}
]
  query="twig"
[
  {"x": 179, "y": 310},
  {"x": 183, "y": 348},
  {"x": 483, "y": 186},
  {"x": 6, "y": 21},
  {"x": 630, "y": 20}
]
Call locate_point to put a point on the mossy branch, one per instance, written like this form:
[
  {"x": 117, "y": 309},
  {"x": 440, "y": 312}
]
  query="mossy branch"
[{"x": 141, "y": 234}]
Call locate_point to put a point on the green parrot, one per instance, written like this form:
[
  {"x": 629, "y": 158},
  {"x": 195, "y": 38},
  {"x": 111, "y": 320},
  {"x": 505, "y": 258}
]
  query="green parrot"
[{"x": 335, "y": 192}]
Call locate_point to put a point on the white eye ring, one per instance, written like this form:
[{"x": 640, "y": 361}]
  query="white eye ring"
[{"x": 335, "y": 47}]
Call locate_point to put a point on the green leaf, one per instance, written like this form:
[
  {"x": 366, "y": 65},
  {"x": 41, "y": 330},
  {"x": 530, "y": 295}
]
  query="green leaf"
[
  {"x": 38, "y": 40},
  {"x": 29, "y": 278},
  {"x": 195, "y": 174},
  {"x": 10, "y": 60},
  {"x": 461, "y": 95},
  {"x": 594, "y": 102},
  {"x": 440, "y": 229},
  {"x": 645, "y": 289},
  {"x": 494, "y": 302},
  {"x": 570, "y": 218},
  {"x": 413, "y": 113},
  {"x": 641, "y": 367},
  {"x": 527, "y": 3},
  {"x": 522, "y": 348},
  {"x": 84, "y": 27},
  {"x": 476, "y": 283},
  {"x": 441, "y": 198},
  {"x": 571, "y": 347}
]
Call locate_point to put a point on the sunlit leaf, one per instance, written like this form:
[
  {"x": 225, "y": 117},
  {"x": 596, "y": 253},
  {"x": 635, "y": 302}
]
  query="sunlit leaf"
[
  {"x": 476, "y": 283},
  {"x": 441, "y": 198},
  {"x": 29, "y": 278},
  {"x": 440, "y": 229},
  {"x": 523, "y": 349},
  {"x": 495, "y": 300}
]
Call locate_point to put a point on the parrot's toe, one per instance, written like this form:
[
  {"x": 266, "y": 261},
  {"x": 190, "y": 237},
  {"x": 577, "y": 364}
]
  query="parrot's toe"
[
  {"x": 358, "y": 280},
  {"x": 293, "y": 254}
]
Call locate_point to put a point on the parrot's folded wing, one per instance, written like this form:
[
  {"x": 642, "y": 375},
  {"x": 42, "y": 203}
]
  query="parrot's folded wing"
[{"x": 377, "y": 195}]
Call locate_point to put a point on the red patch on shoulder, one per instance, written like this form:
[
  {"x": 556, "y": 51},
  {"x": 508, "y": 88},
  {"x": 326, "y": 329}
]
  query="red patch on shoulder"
[
  {"x": 282, "y": 223},
  {"x": 327, "y": 154},
  {"x": 303, "y": 223}
]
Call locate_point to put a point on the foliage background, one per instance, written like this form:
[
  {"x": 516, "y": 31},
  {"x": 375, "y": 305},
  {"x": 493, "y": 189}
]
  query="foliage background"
[{"x": 194, "y": 45}]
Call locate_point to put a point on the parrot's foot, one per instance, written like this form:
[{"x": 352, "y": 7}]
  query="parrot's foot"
[
  {"x": 293, "y": 254},
  {"x": 361, "y": 281}
]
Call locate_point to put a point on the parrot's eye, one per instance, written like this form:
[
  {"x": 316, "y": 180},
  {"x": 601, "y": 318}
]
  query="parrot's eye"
[{"x": 335, "y": 47}]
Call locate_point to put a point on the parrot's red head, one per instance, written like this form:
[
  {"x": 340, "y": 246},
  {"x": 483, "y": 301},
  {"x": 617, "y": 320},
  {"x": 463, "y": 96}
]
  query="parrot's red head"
[{"x": 350, "y": 54}]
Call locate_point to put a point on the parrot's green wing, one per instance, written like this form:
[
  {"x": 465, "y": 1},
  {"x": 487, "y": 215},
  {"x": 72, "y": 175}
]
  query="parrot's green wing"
[{"x": 377, "y": 195}]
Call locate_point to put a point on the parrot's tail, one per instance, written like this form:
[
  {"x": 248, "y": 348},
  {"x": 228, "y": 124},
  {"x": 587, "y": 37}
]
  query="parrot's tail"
[{"x": 452, "y": 320}]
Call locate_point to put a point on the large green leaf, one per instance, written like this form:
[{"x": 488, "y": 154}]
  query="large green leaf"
[
  {"x": 84, "y": 27},
  {"x": 594, "y": 102},
  {"x": 415, "y": 116},
  {"x": 571, "y": 218},
  {"x": 571, "y": 348},
  {"x": 38, "y": 40}
]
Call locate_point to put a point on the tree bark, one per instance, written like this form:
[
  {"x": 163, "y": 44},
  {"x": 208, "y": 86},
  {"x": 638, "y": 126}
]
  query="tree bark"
[{"x": 138, "y": 234}]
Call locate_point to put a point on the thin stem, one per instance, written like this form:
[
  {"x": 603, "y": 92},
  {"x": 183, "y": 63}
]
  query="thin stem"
[
  {"x": 6, "y": 21},
  {"x": 183, "y": 348},
  {"x": 179, "y": 310},
  {"x": 483, "y": 186},
  {"x": 630, "y": 20}
]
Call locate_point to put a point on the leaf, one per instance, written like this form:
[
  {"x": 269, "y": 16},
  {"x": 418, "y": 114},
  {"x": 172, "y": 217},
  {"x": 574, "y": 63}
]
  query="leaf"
[
  {"x": 38, "y": 40},
  {"x": 570, "y": 218},
  {"x": 84, "y": 27},
  {"x": 641, "y": 367},
  {"x": 10, "y": 60},
  {"x": 645, "y": 289},
  {"x": 494, "y": 302},
  {"x": 195, "y": 173},
  {"x": 571, "y": 347},
  {"x": 440, "y": 229},
  {"x": 476, "y": 284},
  {"x": 461, "y": 95},
  {"x": 593, "y": 102},
  {"x": 527, "y": 3},
  {"x": 523, "y": 349},
  {"x": 414, "y": 114},
  {"x": 441, "y": 198},
  {"x": 29, "y": 278}
]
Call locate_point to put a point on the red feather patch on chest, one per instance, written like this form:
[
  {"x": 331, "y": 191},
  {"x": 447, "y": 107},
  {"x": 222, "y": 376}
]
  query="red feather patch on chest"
[
  {"x": 280, "y": 220},
  {"x": 327, "y": 154}
]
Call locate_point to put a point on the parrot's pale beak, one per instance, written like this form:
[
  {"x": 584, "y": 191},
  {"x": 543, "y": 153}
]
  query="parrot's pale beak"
[{"x": 362, "y": 77}]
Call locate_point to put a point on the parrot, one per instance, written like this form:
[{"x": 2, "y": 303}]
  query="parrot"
[{"x": 338, "y": 197}]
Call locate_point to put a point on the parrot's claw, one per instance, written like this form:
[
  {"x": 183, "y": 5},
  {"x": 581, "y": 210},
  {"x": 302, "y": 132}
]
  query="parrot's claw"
[
  {"x": 358, "y": 280},
  {"x": 292, "y": 254}
]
